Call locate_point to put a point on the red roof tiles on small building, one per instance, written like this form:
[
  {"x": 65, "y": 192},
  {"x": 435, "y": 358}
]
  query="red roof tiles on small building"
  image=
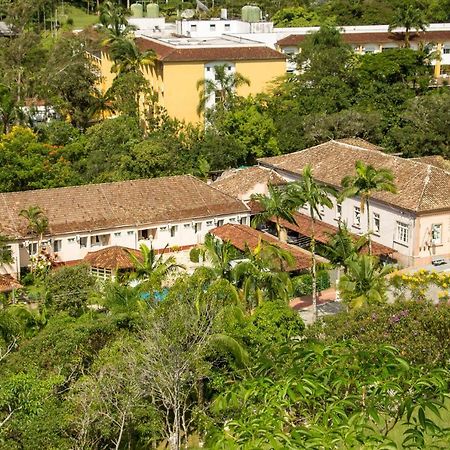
[
  {"x": 8, "y": 284},
  {"x": 113, "y": 258},
  {"x": 243, "y": 236}
]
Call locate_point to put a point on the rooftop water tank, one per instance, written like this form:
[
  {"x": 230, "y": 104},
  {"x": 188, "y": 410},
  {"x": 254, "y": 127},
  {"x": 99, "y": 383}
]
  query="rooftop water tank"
[
  {"x": 244, "y": 12},
  {"x": 254, "y": 14},
  {"x": 137, "y": 10},
  {"x": 153, "y": 10}
]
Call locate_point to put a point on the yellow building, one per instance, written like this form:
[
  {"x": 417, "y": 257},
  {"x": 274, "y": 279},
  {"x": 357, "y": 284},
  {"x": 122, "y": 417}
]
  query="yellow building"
[{"x": 182, "y": 62}]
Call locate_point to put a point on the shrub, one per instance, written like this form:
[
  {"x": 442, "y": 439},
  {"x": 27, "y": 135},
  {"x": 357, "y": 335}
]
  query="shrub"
[
  {"x": 68, "y": 289},
  {"x": 420, "y": 330},
  {"x": 302, "y": 284}
]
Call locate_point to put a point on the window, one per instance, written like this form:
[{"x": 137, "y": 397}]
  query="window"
[
  {"x": 71, "y": 240},
  {"x": 193, "y": 27},
  {"x": 32, "y": 248},
  {"x": 220, "y": 222},
  {"x": 100, "y": 240},
  {"x": 446, "y": 50},
  {"x": 321, "y": 211},
  {"x": 227, "y": 27},
  {"x": 338, "y": 211},
  {"x": 102, "y": 274},
  {"x": 163, "y": 228},
  {"x": 232, "y": 219},
  {"x": 218, "y": 95},
  {"x": 229, "y": 68},
  {"x": 148, "y": 233},
  {"x": 436, "y": 234},
  {"x": 402, "y": 232},
  {"x": 357, "y": 217},
  {"x": 243, "y": 220},
  {"x": 212, "y": 27},
  {"x": 83, "y": 242},
  {"x": 57, "y": 244},
  {"x": 130, "y": 233},
  {"x": 197, "y": 226},
  {"x": 117, "y": 233},
  {"x": 209, "y": 223},
  {"x": 173, "y": 230},
  {"x": 187, "y": 225},
  {"x": 376, "y": 223}
]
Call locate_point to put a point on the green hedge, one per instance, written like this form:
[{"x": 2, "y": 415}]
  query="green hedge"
[{"x": 302, "y": 284}]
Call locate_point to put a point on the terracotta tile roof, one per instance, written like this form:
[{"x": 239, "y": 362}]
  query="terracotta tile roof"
[
  {"x": 241, "y": 236},
  {"x": 385, "y": 37},
  {"x": 8, "y": 283},
  {"x": 127, "y": 203},
  {"x": 112, "y": 258},
  {"x": 238, "y": 182},
  {"x": 420, "y": 187},
  {"x": 323, "y": 230},
  {"x": 436, "y": 161},
  {"x": 169, "y": 53}
]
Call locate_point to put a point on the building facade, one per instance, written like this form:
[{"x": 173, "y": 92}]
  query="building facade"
[
  {"x": 182, "y": 62},
  {"x": 414, "y": 222},
  {"x": 172, "y": 213}
]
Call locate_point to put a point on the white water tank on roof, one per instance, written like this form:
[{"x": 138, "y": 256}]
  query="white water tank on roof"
[
  {"x": 153, "y": 10},
  {"x": 137, "y": 10}
]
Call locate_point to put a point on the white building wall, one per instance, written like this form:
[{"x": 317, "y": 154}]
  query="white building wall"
[
  {"x": 389, "y": 216},
  {"x": 74, "y": 247}
]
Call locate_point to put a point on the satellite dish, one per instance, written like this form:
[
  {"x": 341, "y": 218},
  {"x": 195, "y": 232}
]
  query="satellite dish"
[{"x": 188, "y": 14}]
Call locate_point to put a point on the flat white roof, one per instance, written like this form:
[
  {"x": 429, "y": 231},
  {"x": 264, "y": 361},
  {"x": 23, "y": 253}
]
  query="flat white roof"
[{"x": 207, "y": 42}]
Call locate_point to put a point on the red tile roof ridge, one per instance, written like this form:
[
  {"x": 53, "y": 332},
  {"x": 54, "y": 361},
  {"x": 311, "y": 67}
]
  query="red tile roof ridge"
[{"x": 228, "y": 195}]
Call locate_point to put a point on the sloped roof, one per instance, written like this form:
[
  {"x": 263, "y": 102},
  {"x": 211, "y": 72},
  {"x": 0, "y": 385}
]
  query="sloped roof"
[
  {"x": 168, "y": 53},
  {"x": 242, "y": 236},
  {"x": 8, "y": 283},
  {"x": 322, "y": 232},
  {"x": 237, "y": 182},
  {"x": 435, "y": 160},
  {"x": 110, "y": 205},
  {"x": 373, "y": 38},
  {"x": 113, "y": 258},
  {"x": 420, "y": 187}
]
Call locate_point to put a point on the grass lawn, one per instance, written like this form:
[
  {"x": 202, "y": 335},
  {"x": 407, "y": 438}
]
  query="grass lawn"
[{"x": 79, "y": 16}]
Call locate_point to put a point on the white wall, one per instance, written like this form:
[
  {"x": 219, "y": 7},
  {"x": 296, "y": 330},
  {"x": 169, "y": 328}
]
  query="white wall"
[
  {"x": 389, "y": 218},
  {"x": 184, "y": 235}
]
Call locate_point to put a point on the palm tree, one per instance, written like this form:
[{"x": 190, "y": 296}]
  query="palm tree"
[
  {"x": 366, "y": 182},
  {"x": 128, "y": 58},
  {"x": 113, "y": 16},
  {"x": 410, "y": 18},
  {"x": 101, "y": 104},
  {"x": 223, "y": 87},
  {"x": 37, "y": 222},
  {"x": 365, "y": 281},
  {"x": 262, "y": 276},
  {"x": 340, "y": 248},
  {"x": 316, "y": 196},
  {"x": 218, "y": 253},
  {"x": 278, "y": 205},
  {"x": 152, "y": 269}
]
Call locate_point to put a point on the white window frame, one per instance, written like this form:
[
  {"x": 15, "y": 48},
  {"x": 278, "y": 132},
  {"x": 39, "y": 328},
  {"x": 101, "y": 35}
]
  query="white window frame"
[
  {"x": 436, "y": 239},
  {"x": 32, "y": 248},
  {"x": 83, "y": 241},
  {"x": 357, "y": 217},
  {"x": 338, "y": 211},
  {"x": 376, "y": 229},
  {"x": 173, "y": 230},
  {"x": 402, "y": 233},
  {"x": 57, "y": 245}
]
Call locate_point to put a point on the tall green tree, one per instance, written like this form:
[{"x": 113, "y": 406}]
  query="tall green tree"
[
  {"x": 316, "y": 196},
  {"x": 410, "y": 17},
  {"x": 276, "y": 205},
  {"x": 365, "y": 282},
  {"x": 223, "y": 87},
  {"x": 367, "y": 181}
]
